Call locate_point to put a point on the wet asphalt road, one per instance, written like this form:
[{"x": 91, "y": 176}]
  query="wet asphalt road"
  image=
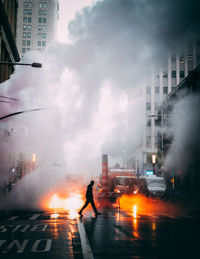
[{"x": 112, "y": 235}]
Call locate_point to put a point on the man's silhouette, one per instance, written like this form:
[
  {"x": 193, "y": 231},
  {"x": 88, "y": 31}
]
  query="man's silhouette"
[{"x": 89, "y": 199}]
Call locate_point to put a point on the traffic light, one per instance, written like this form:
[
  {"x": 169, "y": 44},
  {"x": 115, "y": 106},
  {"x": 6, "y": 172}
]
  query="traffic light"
[
  {"x": 153, "y": 158},
  {"x": 34, "y": 158}
]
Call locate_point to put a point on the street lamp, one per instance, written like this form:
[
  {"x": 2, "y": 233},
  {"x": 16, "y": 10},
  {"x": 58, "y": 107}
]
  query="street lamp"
[{"x": 34, "y": 64}]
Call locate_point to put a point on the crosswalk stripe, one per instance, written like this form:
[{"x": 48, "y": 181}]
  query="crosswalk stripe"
[
  {"x": 86, "y": 249},
  {"x": 35, "y": 216},
  {"x": 13, "y": 218}
]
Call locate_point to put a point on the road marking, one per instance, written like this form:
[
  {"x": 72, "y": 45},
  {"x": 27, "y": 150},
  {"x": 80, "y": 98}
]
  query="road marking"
[
  {"x": 13, "y": 218},
  {"x": 86, "y": 249},
  {"x": 35, "y": 216}
]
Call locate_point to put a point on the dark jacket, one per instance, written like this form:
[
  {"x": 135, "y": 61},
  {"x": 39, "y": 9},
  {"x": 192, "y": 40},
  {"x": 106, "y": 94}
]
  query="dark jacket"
[{"x": 89, "y": 194}]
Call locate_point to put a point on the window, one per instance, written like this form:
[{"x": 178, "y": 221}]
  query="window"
[
  {"x": 29, "y": 4},
  {"x": 44, "y": 20},
  {"x": 189, "y": 57},
  {"x": 23, "y": 50},
  {"x": 148, "y": 106},
  {"x": 24, "y": 35},
  {"x": 24, "y": 27},
  {"x": 44, "y": 12},
  {"x": 28, "y": 43},
  {"x": 148, "y": 140},
  {"x": 157, "y": 123},
  {"x": 40, "y": 5},
  {"x": 25, "y": 11},
  {"x": 43, "y": 43},
  {"x": 157, "y": 89},
  {"x": 173, "y": 58},
  {"x": 25, "y": 19},
  {"x": 165, "y": 75},
  {"x": 148, "y": 89},
  {"x": 25, "y": 4},
  {"x": 149, "y": 123},
  {"x": 44, "y": 35},
  {"x": 29, "y": 19},
  {"x": 28, "y": 34},
  {"x": 39, "y": 43},
  {"x": 182, "y": 59},
  {"x": 165, "y": 90},
  {"x": 29, "y": 12},
  {"x": 39, "y": 27},
  {"x": 173, "y": 73},
  {"x": 44, "y": 27},
  {"x": 40, "y": 20},
  {"x": 40, "y": 12},
  {"x": 24, "y": 43},
  {"x": 29, "y": 27},
  {"x": 39, "y": 35},
  {"x": 182, "y": 74},
  {"x": 45, "y": 5}
]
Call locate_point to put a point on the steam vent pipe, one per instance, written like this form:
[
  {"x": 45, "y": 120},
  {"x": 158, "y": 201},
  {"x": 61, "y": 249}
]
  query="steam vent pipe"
[{"x": 105, "y": 187}]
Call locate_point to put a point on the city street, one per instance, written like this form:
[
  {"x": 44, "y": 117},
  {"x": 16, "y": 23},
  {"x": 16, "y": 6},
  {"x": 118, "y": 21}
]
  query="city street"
[{"x": 114, "y": 234}]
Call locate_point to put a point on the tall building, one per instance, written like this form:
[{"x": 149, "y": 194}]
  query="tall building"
[
  {"x": 36, "y": 24},
  {"x": 8, "y": 48},
  {"x": 178, "y": 66}
]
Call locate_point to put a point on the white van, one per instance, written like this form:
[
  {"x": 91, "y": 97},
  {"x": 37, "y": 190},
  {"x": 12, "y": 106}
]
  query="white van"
[{"x": 156, "y": 185}]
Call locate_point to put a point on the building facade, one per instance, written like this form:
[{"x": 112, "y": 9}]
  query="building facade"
[
  {"x": 36, "y": 24},
  {"x": 178, "y": 66},
  {"x": 8, "y": 48}
]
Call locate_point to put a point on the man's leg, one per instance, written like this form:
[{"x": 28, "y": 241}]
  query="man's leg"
[
  {"x": 94, "y": 207},
  {"x": 84, "y": 206}
]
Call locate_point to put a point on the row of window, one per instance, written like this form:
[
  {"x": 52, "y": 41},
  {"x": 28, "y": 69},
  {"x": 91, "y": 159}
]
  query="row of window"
[
  {"x": 27, "y": 19},
  {"x": 42, "y": 12},
  {"x": 26, "y": 43},
  {"x": 26, "y": 27},
  {"x": 41, "y": 4},
  {"x": 42, "y": 20},
  {"x": 27, "y": 11},
  {"x": 41, "y": 43},
  {"x": 42, "y": 27},
  {"x": 25, "y": 49},
  {"x": 26, "y": 35},
  {"x": 41, "y": 35},
  {"x": 28, "y": 4}
]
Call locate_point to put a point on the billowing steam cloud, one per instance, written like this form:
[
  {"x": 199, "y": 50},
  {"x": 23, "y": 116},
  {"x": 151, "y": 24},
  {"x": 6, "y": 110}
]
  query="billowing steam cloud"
[
  {"x": 91, "y": 88},
  {"x": 183, "y": 155}
]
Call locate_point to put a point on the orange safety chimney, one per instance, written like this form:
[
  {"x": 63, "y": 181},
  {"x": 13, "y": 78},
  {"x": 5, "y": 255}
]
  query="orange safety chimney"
[{"x": 105, "y": 186}]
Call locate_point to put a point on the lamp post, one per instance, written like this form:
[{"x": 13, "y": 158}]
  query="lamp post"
[{"x": 34, "y": 64}]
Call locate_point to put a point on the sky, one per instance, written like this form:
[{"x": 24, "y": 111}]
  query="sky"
[{"x": 67, "y": 11}]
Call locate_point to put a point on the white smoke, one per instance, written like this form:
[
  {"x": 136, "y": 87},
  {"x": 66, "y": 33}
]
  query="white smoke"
[{"x": 89, "y": 89}]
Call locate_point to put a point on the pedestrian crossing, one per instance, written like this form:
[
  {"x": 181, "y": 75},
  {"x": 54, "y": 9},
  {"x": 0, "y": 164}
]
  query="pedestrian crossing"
[{"x": 57, "y": 216}]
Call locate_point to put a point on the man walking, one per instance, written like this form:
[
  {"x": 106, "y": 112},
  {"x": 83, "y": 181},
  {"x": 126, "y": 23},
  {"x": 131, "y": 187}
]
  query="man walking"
[{"x": 89, "y": 199}]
